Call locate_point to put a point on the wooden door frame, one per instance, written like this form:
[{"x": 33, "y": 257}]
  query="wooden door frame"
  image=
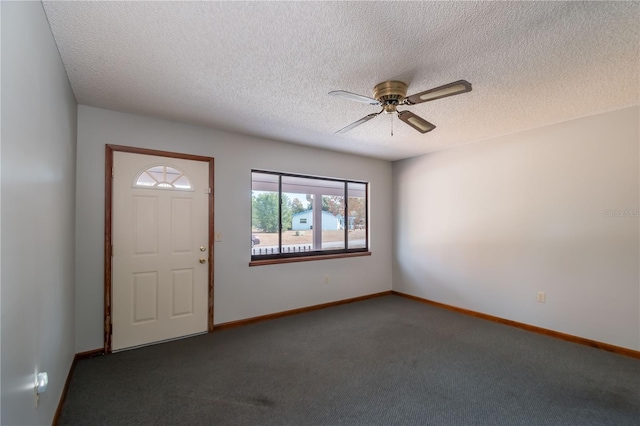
[{"x": 108, "y": 247}]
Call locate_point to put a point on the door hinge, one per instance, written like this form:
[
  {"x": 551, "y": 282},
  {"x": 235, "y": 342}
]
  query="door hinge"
[
  {"x": 112, "y": 174},
  {"x": 207, "y": 191}
]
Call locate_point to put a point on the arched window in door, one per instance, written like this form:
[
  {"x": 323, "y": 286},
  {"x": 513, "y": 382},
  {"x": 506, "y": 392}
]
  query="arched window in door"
[{"x": 163, "y": 177}]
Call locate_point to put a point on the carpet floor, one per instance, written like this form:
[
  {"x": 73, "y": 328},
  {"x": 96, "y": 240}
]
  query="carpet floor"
[{"x": 383, "y": 361}]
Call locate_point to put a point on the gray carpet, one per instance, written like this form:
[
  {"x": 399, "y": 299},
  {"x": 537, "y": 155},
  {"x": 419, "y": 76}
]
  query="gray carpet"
[{"x": 384, "y": 361}]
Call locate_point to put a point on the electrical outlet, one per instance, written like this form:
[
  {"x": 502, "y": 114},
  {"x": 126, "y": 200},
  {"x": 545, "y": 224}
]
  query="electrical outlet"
[
  {"x": 42, "y": 380},
  {"x": 541, "y": 297},
  {"x": 326, "y": 279}
]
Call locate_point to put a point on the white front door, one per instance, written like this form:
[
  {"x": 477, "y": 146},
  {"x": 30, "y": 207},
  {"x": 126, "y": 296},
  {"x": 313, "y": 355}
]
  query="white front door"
[{"x": 160, "y": 248}]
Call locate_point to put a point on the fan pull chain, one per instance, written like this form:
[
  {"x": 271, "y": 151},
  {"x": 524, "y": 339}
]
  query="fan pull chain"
[{"x": 391, "y": 124}]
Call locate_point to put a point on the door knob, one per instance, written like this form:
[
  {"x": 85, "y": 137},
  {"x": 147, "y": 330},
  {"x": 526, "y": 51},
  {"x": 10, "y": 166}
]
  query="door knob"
[
  {"x": 203, "y": 260},
  {"x": 203, "y": 248}
]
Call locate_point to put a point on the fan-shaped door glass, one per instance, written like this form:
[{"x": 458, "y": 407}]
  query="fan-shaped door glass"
[{"x": 163, "y": 177}]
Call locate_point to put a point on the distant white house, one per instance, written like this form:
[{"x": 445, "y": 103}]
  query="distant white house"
[{"x": 303, "y": 221}]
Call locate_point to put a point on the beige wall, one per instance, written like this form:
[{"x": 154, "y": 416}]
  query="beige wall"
[
  {"x": 486, "y": 226},
  {"x": 38, "y": 215},
  {"x": 240, "y": 291}
]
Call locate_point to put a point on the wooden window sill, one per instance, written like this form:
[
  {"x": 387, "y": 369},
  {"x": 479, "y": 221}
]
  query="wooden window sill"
[{"x": 307, "y": 258}]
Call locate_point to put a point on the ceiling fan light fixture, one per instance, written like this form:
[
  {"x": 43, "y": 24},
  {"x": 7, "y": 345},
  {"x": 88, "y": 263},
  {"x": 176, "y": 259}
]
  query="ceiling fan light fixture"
[{"x": 390, "y": 107}]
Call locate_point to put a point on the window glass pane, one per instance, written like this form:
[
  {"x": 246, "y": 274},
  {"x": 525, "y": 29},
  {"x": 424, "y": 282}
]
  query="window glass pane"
[
  {"x": 145, "y": 180},
  {"x": 312, "y": 217},
  {"x": 357, "y": 221},
  {"x": 163, "y": 177},
  {"x": 159, "y": 176},
  {"x": 182, "y": 183},
  {"x": 264, "y": 214},
  {"x": 333, "y": 219},
  {"x": 171, "y": 173},
  {"x": 297, "y": 214},
  {"x": 264, "y": 182}
]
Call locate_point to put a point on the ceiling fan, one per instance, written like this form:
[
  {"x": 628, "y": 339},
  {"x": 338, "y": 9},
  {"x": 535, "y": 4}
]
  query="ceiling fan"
[{"x": 391, "y": 94}]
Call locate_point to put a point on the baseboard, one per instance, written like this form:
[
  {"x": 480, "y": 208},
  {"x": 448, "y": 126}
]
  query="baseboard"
[
  {"x": 77, "y": 357},
  {"x": 239, "y": 323},
  {"x": 556, "y": 334}
]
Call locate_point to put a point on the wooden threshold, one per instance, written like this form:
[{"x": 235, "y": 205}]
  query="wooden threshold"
[
  {"x": 239, "y": 323},
  {"x": 77, "y": 357},
  {"x": 551, "y": 333}
]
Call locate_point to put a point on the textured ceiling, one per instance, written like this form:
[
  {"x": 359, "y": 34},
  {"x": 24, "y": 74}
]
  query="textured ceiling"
[{"x": 265, "y": 68}]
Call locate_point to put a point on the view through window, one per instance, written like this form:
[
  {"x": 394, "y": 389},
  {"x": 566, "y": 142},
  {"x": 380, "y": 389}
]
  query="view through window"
[{"x": 294, "y": 215}]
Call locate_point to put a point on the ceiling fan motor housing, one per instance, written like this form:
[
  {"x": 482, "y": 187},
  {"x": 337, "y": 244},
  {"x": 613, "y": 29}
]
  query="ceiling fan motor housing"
[{"x": 390, "y": 94}]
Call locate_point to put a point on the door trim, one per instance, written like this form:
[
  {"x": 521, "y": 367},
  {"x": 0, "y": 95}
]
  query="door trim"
[{"x": 108, "y": 200}]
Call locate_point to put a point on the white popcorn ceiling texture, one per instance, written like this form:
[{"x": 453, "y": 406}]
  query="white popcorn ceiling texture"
[{"x": 265, "y": 68}]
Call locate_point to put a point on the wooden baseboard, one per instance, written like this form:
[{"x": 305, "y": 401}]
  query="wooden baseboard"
[
  {"x": 261, "y": 318},
  {"x": 77, "y": 357},
  {"x": 556, "y": 334}
]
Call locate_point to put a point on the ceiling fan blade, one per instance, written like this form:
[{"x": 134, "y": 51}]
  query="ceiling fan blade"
[
  {"x": 455, "y": 88},
  {"x": 359, "y": 122},
  {"x": 418, "y": 123},
  {"x": 354, "y": 97}
]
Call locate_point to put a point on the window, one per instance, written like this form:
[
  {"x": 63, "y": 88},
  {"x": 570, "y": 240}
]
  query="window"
[
  {"x": 296, "y": 216},
  {"x": 163, "y": 177}
]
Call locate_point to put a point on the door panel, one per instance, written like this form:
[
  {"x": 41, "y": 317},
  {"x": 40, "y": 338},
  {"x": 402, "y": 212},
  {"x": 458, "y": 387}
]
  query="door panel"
[
  {"x": 159, "y": 283},
  {"x": 181, "y": 232},
  {"x": 145, "y": 222},
  {"x": 182, "y": 292},
  {"x": 145, "y": 297}
]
